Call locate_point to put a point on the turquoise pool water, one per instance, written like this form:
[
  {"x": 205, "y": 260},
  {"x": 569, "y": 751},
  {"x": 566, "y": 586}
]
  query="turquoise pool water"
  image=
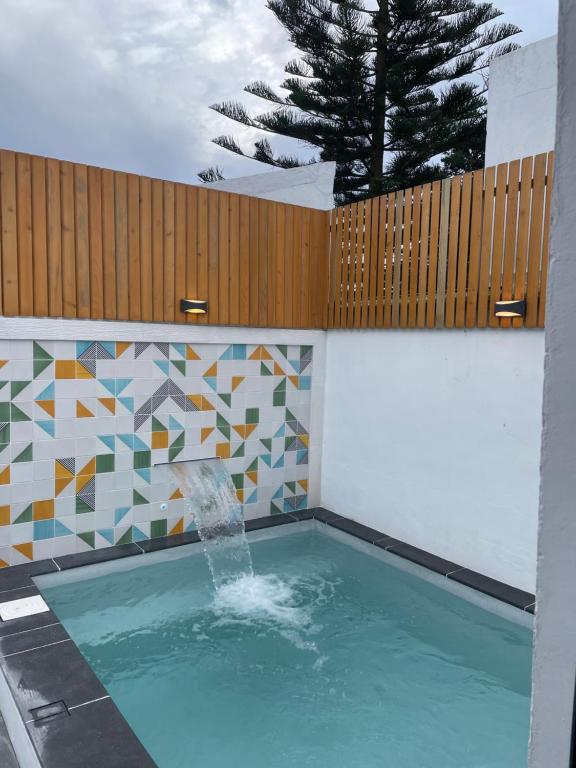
[{"x": 329, "y": 658}]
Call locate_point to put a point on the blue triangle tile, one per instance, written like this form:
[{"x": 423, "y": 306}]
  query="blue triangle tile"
[
  {"x": 110, "y": 347},
  {"x": 281, "y": 432},
  {"x": 279, "y": 463},
  {"x": 144, "y": 473},
  {"x": 128, "y": 441},
  {"x": 228, "y": 354},
  {"x": 48, "y": 393},
  {"x": 239, "y": 351},
  {"x": 121, "y": 385},
  {"x": 267, "y": 459},
  {"x": 211, "y": 381},
  {"x": 174, "y": 424},
  {"x": 109, "y": 384},
  {"x": 164, "y": 366},
  {"x": 47, "y": 426},
  {"x": 180, "y": 348},
  {"x": 107, "y": 533},
  {"x": 127, "y": 402},
  {"x": 137, "y": 534},
  {"x": 108, "y": 440},
  {"x": 120, "y": 514},
  {"x": 295, "y": 364},
  {"x": 61, "y": 530},
  {"x": 279, "y": 493},
  {"x": 191, "y": 526},
  {"x": 253, "y": 498},
  {"x": 140, "y": 445},
  {"x": 81, "y": 347}
]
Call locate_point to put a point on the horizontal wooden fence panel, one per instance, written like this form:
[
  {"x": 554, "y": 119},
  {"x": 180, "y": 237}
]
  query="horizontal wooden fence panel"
[
  {"x": 441, "y": 254},
  {"x": 83, "y": 242}
]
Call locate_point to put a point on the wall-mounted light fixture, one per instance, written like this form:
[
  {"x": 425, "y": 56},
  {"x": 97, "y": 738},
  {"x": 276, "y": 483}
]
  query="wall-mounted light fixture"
[
  {"x": 194, "y": 306},
  {"x": 512, "y": 308}
]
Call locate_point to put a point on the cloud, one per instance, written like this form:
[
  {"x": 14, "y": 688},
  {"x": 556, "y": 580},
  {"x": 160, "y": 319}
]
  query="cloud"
[{"x": 128, "y": 84}]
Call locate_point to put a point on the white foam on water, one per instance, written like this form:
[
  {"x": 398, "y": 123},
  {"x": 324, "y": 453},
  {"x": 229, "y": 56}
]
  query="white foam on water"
[{"x": 260, "y": 598}]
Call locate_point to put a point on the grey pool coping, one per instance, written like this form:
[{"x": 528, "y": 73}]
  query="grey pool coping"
[{"x": 42, "y": 665}]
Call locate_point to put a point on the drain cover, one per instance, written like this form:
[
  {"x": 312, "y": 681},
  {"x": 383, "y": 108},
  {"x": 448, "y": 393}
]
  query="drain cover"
[{"x": 26, "y": 606}]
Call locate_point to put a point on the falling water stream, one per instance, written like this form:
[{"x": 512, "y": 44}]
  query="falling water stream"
[{"x": 240, "y": 594}]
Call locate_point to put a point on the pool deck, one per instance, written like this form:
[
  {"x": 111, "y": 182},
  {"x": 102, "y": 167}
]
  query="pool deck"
[{"x": 7, "y": 756}]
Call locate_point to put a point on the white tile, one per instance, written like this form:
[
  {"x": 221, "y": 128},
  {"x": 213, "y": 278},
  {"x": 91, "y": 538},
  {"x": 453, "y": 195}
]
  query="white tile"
[
  {"x": 64, "y": 545},
  {"x": 22, "y": 472},
  {"x": 25, "y": 606}
]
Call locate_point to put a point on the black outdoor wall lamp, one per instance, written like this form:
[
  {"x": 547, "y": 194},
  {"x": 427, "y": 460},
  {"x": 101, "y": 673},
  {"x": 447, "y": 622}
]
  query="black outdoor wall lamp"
[
  {"x": 194, "y": 306},
  {"x": 511, "y": 308}
]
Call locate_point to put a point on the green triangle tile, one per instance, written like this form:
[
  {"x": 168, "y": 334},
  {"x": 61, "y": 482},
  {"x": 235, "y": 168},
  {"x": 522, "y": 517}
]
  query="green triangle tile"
[
  {"x": 283, "y": 349},
  {"x": 267, "y": 443},
  {"x": 126, "y": 538},
  {"x": 227, "y": 399},
  {"x": 238, "y": 480},
  {"x": 17, "y": 415},
  {"x": 137, "y": 498},
  {"x": 281, "y": 386},
  {"x": 304, "y": 349},
  {"x": 88, "y": 538},
  {"x": 264, "y": 370},
  {"x": 17, "y": 386},
  {"x": 3, "y": 384},
  {"x": 291, "y": 486},
  {"x": 26, "y": 516},
  {"x": 158, "y": 528},
  {"x": 289, "y": 415},
  {"x": 279, "y": 398},
  {"x": 39, "y": 366},
  {"x": 39, "y": 353},
  {"x": 253, "y": 466},
  {"x": 178, "y": 442},
  {"x": 225, "y": 431},
  {"x": 274, "y": 510},
  {"x": 26, "y": 455},
  {"x": 173, "y": 452},
  {"x": 221, "y": 421},
  {"x": 239, "y": 452},
  {"x": 81, "y": 506},
  {"x": 157, "y": 425},
  {"x": 180, "y": 365},
  {"x": 5, "y": 434}
]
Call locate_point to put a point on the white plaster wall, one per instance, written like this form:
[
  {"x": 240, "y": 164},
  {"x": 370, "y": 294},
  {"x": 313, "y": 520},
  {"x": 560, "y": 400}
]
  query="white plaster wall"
[
  {"x": 433, "y": 437},
  {"x": 522, "y": 103},
  {"x": 311, "y": 186}
]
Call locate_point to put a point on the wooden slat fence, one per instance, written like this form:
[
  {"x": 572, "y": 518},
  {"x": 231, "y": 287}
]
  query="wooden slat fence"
[
  {"x": 84, "y": 242},
  {"x": 439, "y": 255}
]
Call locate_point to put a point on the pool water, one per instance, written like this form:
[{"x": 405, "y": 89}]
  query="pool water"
[{"x": 327, "y": 658}]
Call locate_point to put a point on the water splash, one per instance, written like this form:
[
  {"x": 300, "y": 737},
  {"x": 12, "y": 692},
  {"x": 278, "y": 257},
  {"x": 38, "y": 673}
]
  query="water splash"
[{"x": 212, "y": 500}]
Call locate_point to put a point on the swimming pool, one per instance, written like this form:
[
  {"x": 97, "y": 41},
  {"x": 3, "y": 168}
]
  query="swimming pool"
[{"x": 337, "y": 658}]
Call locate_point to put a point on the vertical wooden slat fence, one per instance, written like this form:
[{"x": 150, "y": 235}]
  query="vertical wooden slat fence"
[
  {"x": 84, "y": 242},
  {"x": 445, "y": 251}
]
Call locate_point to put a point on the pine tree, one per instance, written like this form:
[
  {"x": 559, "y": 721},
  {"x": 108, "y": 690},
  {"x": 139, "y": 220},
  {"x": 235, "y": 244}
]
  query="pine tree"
[{"x": 393, "y": 94}]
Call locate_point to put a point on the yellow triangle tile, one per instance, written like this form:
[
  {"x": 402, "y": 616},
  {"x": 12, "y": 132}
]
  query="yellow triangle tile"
[
  {"x": 277, "y": 370},
  {"x": 3, "y": 564},
  {"x": 191, "y": 354},
  {"x": 236, "y": 381},
  {"x": 89, "y": 468},
  {"x": 81, "y": 481},
  {"x": 178, "y": 528},
  {"x": 43, "y": 510},
  {"x": 305, "y": 439},
  {"x": 82, "y": 412},
  {"x": 252, "y": 476},
  {"x": 223, "y": 450},
  {"x": 61, "y": 473},
  {"x": 240, "y": 429},
  {"x": 303, "y": 484},
  {"x": 82, "y": 372},
  {"x": 60, "y": 483},
  {"x": 108, "y": 403},
  {"x": 197, "y": 400},
  {"x": 206, "y": 404},
  {"x": 205, "y": 433},
  {"x": 294, "y": 380},
  {"x": 25, "y": 549},
  {"x": 5, "y": 514},
  {"x": 240, "y": 495},
  {"x": 3, "y": 363},
  {"x": 176, "y": 495},
  {"x": 212, "y": 371},
  {"x": 257, "y": 354},
  {"x": 121, "y": 347},
  {"x": 265, "y": 354},
  {"x": 5, "y": 476},
  {"x": 65, "y": 369},
  {"x": 48, "y": 406},
  {"x": 250, "y": 428}
]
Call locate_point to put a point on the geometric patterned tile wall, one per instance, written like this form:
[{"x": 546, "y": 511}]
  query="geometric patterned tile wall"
[{"x": 82, "y": 425}]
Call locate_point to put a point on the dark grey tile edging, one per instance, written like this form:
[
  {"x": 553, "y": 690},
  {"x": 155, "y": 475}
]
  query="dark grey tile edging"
[{"x": 84, "y": 727}]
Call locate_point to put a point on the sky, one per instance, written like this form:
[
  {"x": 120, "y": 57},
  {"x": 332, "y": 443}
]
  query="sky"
[{"x": 128, "y": 85}]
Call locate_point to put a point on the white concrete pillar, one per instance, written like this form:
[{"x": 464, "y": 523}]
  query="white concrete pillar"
[{"x": 554, "y": 672}]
